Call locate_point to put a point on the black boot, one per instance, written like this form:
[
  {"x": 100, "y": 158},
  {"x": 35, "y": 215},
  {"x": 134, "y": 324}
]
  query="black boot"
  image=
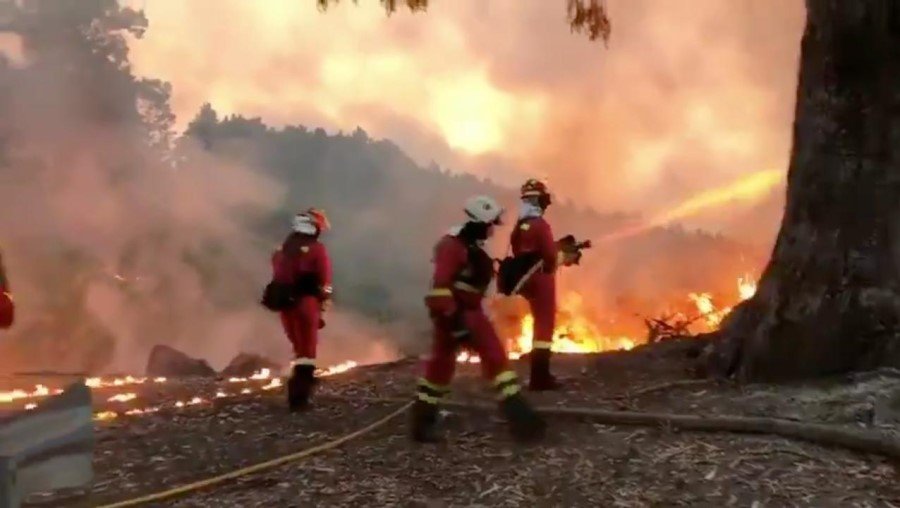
[
  {"x": 424, "y": 422},
  {"x": 541, "y": 379},
  {"x": 299, "y": 387},
  {"x": 525, "y": 425}
]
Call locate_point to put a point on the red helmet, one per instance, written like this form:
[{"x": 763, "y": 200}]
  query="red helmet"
[
  {"x": 319, "y": 219},
  {"x": 535, "y": 188}
]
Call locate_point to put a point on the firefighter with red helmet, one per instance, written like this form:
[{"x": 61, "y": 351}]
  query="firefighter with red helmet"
[
  {"x": 301, "y": 292},
  {"x": 7, "y": 307},
  {"x": 462, "y": 273},
  {"x": 532, "y": 241}
]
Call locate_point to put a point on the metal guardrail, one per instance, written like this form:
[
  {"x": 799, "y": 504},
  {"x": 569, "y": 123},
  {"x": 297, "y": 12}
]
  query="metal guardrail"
[{"x": 48, "y": 448}]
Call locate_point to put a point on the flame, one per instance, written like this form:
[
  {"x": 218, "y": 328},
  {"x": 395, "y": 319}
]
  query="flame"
[
  {"x": 466, "y": 357},
  {"x": 105, "y": 415},
  {"x": 39, "y": 391},
  {"x": 142, "y": 411},
  {"x": 746, "y": 288},
  {"x": 122, "y": 397},
  {"x": 337, "y": 369},
  {"x": 98, "y": 382},
  {"x": 707, "y": 309},
  {"x": 577, "y": 332},
  {"x": 262, "y": 374}
]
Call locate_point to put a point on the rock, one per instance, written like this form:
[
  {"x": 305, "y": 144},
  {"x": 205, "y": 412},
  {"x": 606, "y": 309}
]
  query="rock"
[
  {"x": 246, "y": 364},
  {"x": 169, "y": 362},
  {"x": 887, "y": 407}
]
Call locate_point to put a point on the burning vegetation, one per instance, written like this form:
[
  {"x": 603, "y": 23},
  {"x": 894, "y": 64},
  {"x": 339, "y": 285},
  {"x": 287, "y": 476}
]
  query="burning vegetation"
[{"x": 578, "y": 329}]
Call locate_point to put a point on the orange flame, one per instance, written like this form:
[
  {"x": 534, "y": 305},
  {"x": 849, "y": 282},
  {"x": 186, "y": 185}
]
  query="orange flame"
[
  {"x": 576, "y": 332},
  {"x": 337, "y": 369}
]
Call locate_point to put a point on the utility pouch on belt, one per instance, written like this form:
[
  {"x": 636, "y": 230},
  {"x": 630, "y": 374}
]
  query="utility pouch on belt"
[
  {"x": 512, "y": 269},
  {"x": 278, "y": 296}
]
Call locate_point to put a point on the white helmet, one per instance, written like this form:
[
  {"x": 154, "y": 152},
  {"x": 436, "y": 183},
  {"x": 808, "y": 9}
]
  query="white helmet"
[
  {"x": 483, "y": 209},
  {"x": 303, "y": 224}
]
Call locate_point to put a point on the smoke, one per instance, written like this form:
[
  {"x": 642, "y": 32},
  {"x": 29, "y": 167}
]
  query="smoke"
[
  {"x": 114, "y": 240},
  {"x": 117, "y": 237},
  {"x": 683, "y": 101}
]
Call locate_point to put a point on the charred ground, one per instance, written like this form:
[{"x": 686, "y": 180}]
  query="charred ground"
[{"x": 582, "y": 463}]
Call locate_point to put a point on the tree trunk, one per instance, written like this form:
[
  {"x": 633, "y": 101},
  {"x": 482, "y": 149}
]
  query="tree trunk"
[{"x": 829, "y": 299}]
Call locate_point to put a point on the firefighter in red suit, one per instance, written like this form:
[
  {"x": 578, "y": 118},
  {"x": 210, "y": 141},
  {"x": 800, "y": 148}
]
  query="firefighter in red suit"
[
  {"x": 532, "y": 236},
  {"x": 302, "y": 263},
  {"x": 462, "y": 273},
  {"x": 7, "y": 307}
]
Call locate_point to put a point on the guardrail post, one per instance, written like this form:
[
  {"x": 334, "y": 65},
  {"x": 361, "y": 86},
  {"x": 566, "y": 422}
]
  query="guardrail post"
[{"x": 9, "y": 489}]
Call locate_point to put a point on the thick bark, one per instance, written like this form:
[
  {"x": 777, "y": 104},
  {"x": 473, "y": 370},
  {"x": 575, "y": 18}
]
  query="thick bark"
[{"x": 829, "y": 300}]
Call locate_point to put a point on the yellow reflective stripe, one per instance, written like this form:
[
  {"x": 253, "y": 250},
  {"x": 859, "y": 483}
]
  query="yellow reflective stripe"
[
  {"x": 467, "y": 287},
  {"x": 304, "y": 361},
  {"x": 509, "y": 391},
  {"x": 542, "y": 344},
  {"x": 525, "y": 226},
  {"x": 504, "y": 377},
  {"x": 424, "y": 397},
  {"x": 428, "y": 384},
  {"x": 440, "y": 292}
]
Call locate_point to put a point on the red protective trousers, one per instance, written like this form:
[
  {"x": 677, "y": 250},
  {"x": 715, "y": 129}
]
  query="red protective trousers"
[
  {"x": 482, "y": 338},
  {"x": 540, "y": 292},
  {"x": 534, "y": 236},
  {"x": 301, "y": 325}
]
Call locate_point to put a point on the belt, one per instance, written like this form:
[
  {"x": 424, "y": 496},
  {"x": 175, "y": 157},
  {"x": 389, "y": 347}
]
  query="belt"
[{"x": 462, "y": 286}]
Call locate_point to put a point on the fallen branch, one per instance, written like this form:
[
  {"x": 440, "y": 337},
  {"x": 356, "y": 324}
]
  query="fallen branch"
[
  {"x": 874, "y": 442},
  {"x": 681, "y": 383}
]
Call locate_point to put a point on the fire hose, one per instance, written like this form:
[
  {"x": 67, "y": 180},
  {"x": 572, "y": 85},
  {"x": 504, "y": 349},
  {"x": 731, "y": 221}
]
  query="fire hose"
[{"x": 261, "y": 466}]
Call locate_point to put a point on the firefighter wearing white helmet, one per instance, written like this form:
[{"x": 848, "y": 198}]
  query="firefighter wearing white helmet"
[{"x": 462, "y": 273}]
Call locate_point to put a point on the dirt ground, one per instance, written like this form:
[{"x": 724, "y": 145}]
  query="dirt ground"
[{"x": 580, "y": 464}]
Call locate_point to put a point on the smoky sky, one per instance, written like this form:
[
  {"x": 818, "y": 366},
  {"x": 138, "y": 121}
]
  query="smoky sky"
[{"x": 684, "y": 98}]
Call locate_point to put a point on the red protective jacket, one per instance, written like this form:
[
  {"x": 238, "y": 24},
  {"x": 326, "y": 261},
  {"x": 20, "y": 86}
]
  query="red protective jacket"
[
  {"x": 534, "y": 236},
  {"x": 7, "y": 307},
  {"x": 7, "y": 310},
  {"x": 303, "y": 255},
  {"x": 462, "y": 274}
]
